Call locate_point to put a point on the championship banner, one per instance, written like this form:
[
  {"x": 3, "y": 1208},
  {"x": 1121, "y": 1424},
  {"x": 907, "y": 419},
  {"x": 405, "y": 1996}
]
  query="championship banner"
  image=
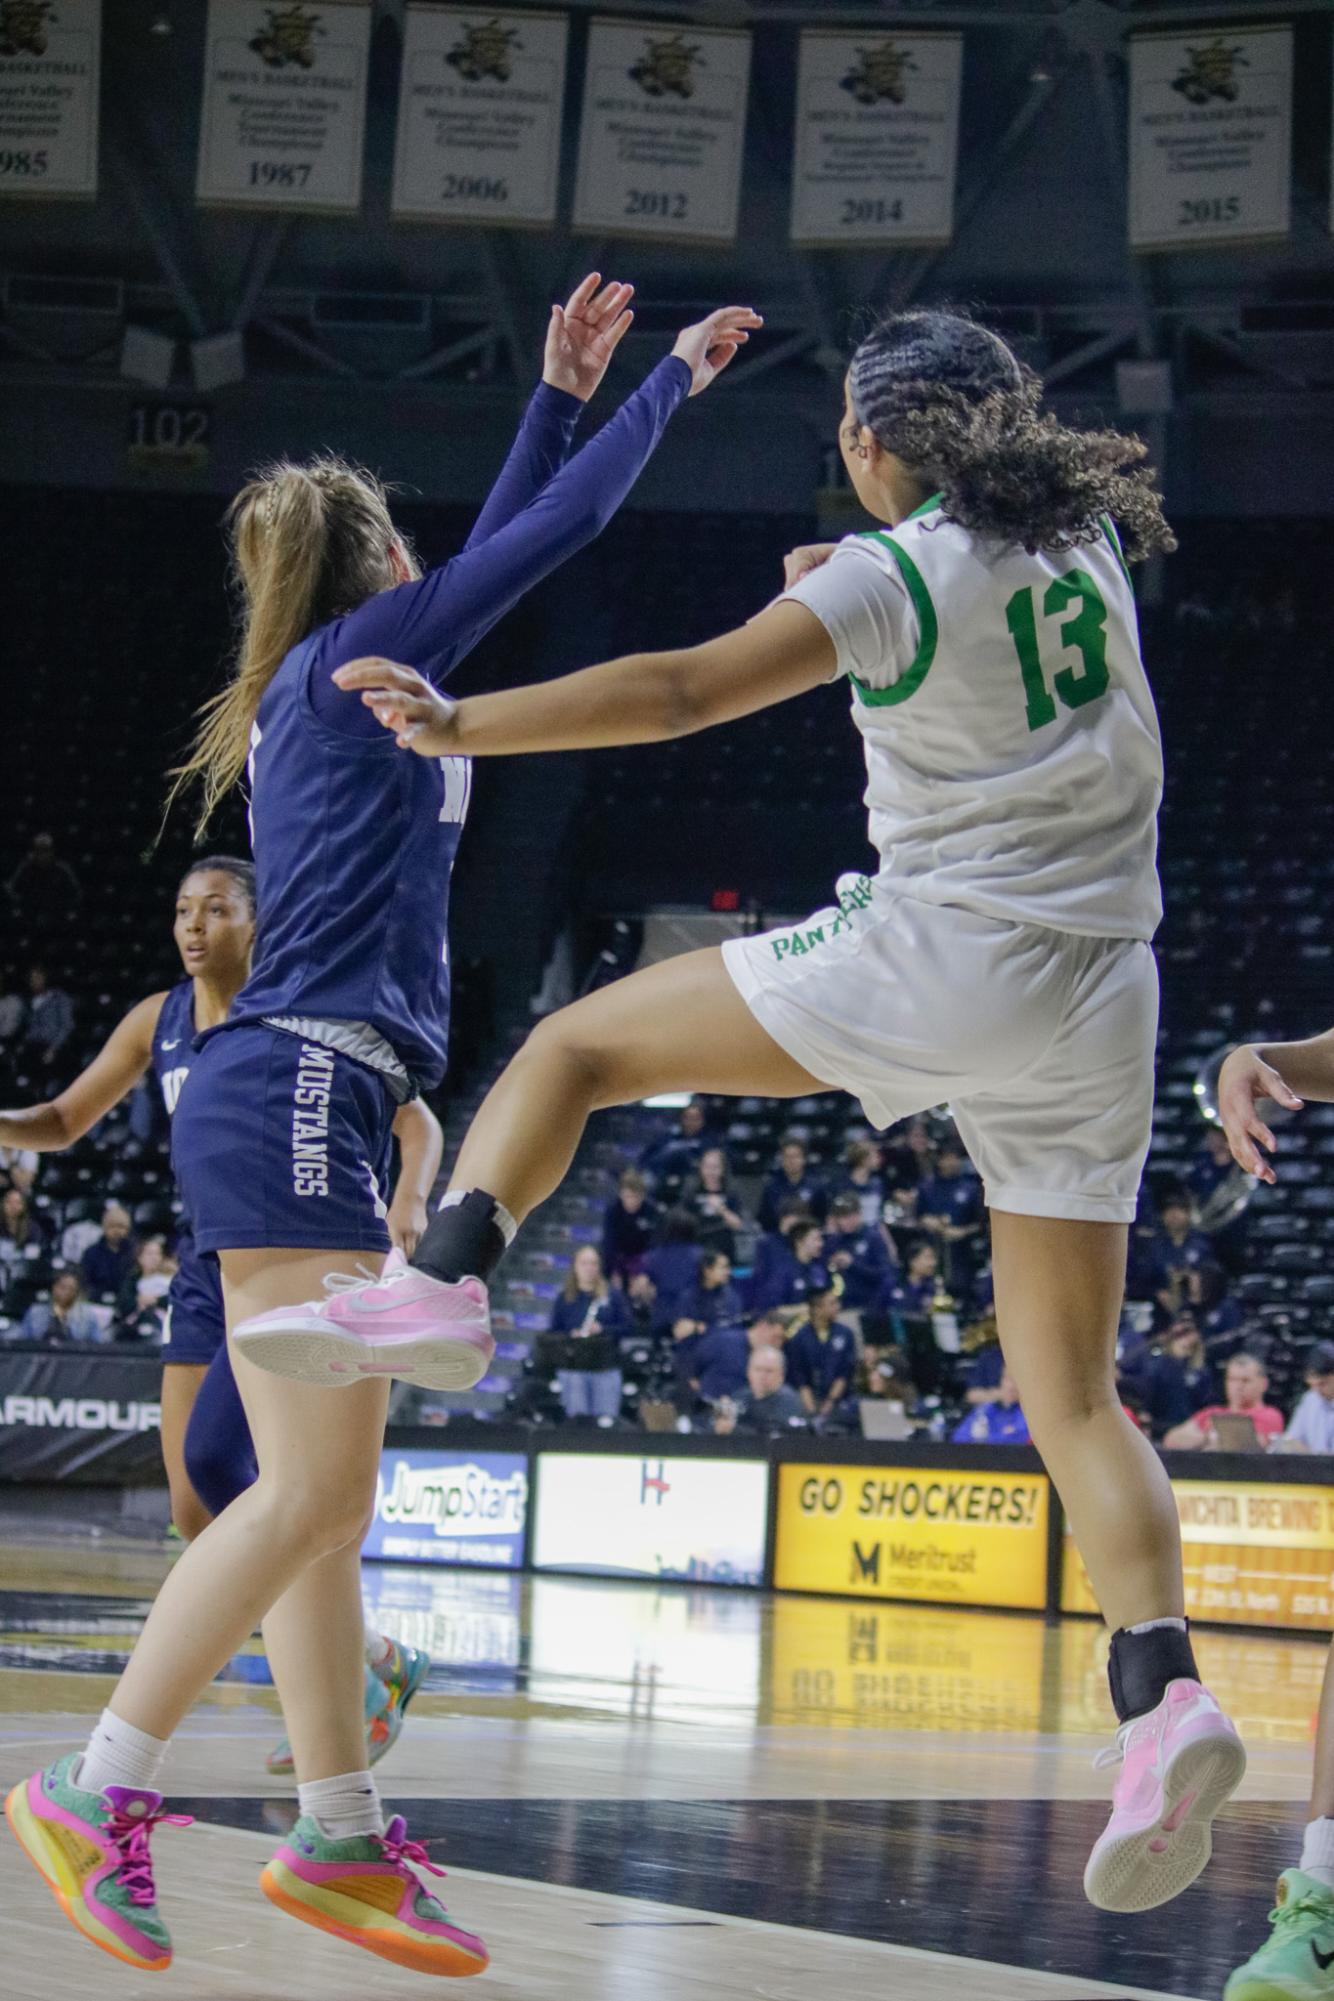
[
  {"x": 450, "y": 1507},
  {"x": 664, "y": 120},
  {"x": 479, "y": 116},
  {"x": 700, "y": 1521},
  {"x": 1210, "y": 136},
  {"x": 85, "y": 1415},
  {"x": 876, "y": 138},
  {"x": 1255, "y": 1555},
  {"x": 284, "y": 105},
  {"x": 50, "y": 52},
  {"x": 955, "y": 1537}
]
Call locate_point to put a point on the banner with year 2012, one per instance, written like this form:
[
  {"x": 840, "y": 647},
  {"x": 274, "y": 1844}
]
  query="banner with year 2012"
[
  {"x": 284, "y": 109},
  {"x": 664, "y": 122},
  {"x": 479, "y": 117},
  {"x": 1210, "y": 136},
  {"x": 876, "y": 138},
  {"x": 49, "y": 60}
]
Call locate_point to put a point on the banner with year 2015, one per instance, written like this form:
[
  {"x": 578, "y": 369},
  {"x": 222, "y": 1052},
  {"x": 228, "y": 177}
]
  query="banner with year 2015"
[
  {"x": 1210, "y": 136},
  {"x": 664, "y": 120},
  {"x": 479, "y": 117},
  {"x": 284, "y": 108},
  {"x": 876, "y": 138},
  {"x": 49, "y": 60}
]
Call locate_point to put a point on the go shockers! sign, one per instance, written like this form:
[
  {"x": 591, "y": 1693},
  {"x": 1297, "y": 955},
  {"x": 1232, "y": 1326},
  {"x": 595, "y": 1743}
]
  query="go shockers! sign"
[{"x": 80, "y": 1415}]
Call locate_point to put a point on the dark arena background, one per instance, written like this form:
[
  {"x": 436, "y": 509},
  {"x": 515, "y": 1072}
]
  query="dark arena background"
[{"x": 712, "y": 1708}]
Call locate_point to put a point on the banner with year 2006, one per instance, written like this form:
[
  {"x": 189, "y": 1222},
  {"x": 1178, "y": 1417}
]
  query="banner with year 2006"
[
  {"x": 49, "y": 59},
  {"x": 664, "y": 121},
  {"x": 1210, "y": 136},
  {"x": 479, "y": 117},
  {"x": 284, "y": 109},
  {"x": 876, "y": 138}
]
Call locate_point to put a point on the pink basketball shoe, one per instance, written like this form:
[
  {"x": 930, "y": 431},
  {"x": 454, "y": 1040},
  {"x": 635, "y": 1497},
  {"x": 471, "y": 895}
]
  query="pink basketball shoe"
[
  {"x": 1179, "y": 1764},
  {"x": 404, "y": 1324}
]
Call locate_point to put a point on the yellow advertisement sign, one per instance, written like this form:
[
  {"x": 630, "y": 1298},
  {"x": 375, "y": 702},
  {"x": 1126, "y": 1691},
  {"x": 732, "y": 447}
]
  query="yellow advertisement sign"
[
  {"x": 1256, "y": 1554},
  {"x": 913, "y": 1532}
]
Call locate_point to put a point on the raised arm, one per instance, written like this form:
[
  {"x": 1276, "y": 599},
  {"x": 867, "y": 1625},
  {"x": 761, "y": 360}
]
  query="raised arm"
[
  {"x": 644, "y": 698},
  {"x": 116, "y": 1069}
]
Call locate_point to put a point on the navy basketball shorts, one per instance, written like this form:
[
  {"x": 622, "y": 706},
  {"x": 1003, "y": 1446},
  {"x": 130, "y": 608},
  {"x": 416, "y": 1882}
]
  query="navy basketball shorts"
[
  {"x": 196, "y": 1323},
  {"x": 282, "y": 1143}
]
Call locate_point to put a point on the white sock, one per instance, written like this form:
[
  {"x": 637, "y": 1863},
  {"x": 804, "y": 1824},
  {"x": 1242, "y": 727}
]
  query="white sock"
[
  {"x": 343, "y": 1807},
  {"x": 120, "y": 1755},
  {"x": 1318, "y": 1851},
  {"x": 378, "y": 1647},
  {"x": 1159, "y": 1626}
]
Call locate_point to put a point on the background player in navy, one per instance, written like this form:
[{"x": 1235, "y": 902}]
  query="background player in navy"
[{"x": 284, "y": 1117}]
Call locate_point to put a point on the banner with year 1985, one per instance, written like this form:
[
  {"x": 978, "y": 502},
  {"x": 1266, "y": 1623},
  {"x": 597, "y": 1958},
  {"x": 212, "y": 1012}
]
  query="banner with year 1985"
[
  {"x": 284, "y": 104},
  {"x": 1210, "y": 136},
  {"x": 49, "y": 57}
]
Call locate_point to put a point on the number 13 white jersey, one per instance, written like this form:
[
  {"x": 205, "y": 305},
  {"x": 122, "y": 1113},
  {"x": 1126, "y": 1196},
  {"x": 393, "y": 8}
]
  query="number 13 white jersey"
[{"x": 1012, "y": 749}]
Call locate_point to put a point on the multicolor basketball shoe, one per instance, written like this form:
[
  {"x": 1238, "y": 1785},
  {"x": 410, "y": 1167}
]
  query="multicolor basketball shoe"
[
  {"x": 403, "y": 1324},
  {"x": 390, "y": 1687},
  {"x": 366, "y": 1890},
  {"x": 92, "y": 1850},
  {"x": 1180, "y": 1763},
  {"x": 1296, "y": 1961}
]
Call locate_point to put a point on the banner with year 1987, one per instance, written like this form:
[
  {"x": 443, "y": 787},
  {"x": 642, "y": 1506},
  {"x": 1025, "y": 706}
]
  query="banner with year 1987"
[
  {"x": 1210, "y": 136},
  {"x": 876, "y": 138},
  {"x": 479, "y": 116},
  {"x": 284, "y": 104},
  {"x": 49, "y": 59},
  {"x": 664, "y": 119}
]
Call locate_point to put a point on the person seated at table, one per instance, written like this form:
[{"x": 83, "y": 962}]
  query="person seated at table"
[
  {"x": 66, "y": 1316},
  {"x": 766, "y": 1404},
  {"x": 821, "y": 1354},
  {"x": 999, "y": 1422},
  {"x": 1311, "y": 1426},
  {"x": 1244, "y": 1387}
]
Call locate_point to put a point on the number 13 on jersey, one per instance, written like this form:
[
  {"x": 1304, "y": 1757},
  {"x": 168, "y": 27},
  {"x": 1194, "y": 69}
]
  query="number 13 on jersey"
[{"x": 1083, "y": 632}]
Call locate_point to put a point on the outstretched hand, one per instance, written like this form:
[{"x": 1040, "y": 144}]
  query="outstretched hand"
[
  {"x": 584, "y": 334},
  {"x": 1244, "y": 1082},
  {"x": 402, "y": 700},
  {"x": 708, "y": 346}
]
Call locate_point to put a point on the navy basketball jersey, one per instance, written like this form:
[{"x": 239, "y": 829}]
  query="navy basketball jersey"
[
  {"x": 173, "y": 1042},
  {"x": 354, "y": 843}
]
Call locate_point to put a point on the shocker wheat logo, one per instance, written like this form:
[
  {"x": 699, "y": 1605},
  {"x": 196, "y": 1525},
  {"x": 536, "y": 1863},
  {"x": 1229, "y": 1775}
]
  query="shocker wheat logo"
[
  {"x": 1210, "y": 72},
  {"x": 485, "y": 51},
  {"x": 667, "y": 67},
  {"x": 877, "y": 77},
  {"x": 23, "y": 25},
  {"x": 288, "y": 36}
]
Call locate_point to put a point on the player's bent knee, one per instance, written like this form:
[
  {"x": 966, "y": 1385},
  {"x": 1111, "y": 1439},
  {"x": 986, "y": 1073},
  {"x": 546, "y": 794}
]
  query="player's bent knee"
[{"x": 555, "y": 1042}]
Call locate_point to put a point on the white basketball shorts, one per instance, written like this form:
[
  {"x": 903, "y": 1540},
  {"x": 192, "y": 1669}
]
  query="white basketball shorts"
[{"x": 1041, "y": 1042}]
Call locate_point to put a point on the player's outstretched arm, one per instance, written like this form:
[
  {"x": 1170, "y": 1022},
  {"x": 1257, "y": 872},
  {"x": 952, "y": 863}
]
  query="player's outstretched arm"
[
  {"x": 644, "y": 698},
  {"x": 1279, "y": 1072},
  {"x": 116, "y": 1069}
]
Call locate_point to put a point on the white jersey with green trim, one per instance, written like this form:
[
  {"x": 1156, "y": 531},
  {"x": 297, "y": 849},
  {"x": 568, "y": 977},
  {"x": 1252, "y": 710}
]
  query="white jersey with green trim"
[{"x": 1012, "y": 750}]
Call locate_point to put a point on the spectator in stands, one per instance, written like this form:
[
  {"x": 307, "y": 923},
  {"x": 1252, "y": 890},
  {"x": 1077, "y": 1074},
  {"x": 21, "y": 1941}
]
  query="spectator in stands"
[
  {"x": 909, "y": 1156},
  {"x": 1210, "y": 1167},
  {"x": 858, "y": 1253},
  {"x": 65, "y": 1317},
  {"x": 711, "y": 1200},
  {"x": 1216, "y": 1311},
  {"x": 710, "y": 1300},
  {"x": 1173, "y": 1377},
  {"x": 949, "y": 1209},
  {"x": 767, "y": 1404},
  {"x": 997, "y": 1422},
  {"x": 883, "y": 1374},
  {"x": 142, "y": 1300},
  {"x": 18, "y": 1168},
  {"x": 821, "y": 1355},
  {"x": 767, "y": 1330},
  {"x": 672, "y": 1264},
  {"x": 793, "y": 1273},
  {"x": 1178, "y": 1250},
  {"x": 913, "y": 1292},
  {"x": 667, "y": 1161},
  {"x": 628, "y": 1225},
  {"x": 1246, "y": 1383},
  {"x": 862, "y": 1178},
  {"x": 986, "y": 1365},
  {"x": 790, "y": 1181},
  {"x": 76, "y": 1236},
  {"x": 50, "y": 1018},
  {"x": 43, "y": 887},
  {"x": 585, "y": 1308},
  {"x": 1311, "y": 1427},
  {"x": 108, "y": 1262},
  {"x": 712, "y": 1347},
  {"x": 24, "y": 1245}
]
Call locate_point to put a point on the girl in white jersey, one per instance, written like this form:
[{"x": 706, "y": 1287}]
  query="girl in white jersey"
[{"x": 999, "y": 959}]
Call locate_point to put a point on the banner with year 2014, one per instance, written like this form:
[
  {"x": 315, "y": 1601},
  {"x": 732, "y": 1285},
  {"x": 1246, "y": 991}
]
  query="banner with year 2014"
[
  {"x": 1210, "y": 136},
  {"x": 876, "y": 138},
  {"x": 284, "y": 109},
  {"x": 49, "y": 61},
  {"x": 664, "y": 121},
  {"x": 479, "y": 116}
]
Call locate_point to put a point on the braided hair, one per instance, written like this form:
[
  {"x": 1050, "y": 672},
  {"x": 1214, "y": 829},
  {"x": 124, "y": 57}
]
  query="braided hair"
[{"x": 961, "y": 412}]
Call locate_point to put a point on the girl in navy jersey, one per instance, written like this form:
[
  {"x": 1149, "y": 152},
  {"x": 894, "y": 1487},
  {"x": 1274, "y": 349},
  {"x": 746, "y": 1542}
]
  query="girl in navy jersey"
[{"x": 280, "y": 1130}]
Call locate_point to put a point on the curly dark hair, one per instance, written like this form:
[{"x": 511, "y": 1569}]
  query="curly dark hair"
[{"x": 951, "y": 401}]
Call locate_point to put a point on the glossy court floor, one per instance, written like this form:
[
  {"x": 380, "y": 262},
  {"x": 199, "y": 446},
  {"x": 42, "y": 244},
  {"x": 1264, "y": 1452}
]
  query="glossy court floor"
[{"x": 667, "y": 1794}]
